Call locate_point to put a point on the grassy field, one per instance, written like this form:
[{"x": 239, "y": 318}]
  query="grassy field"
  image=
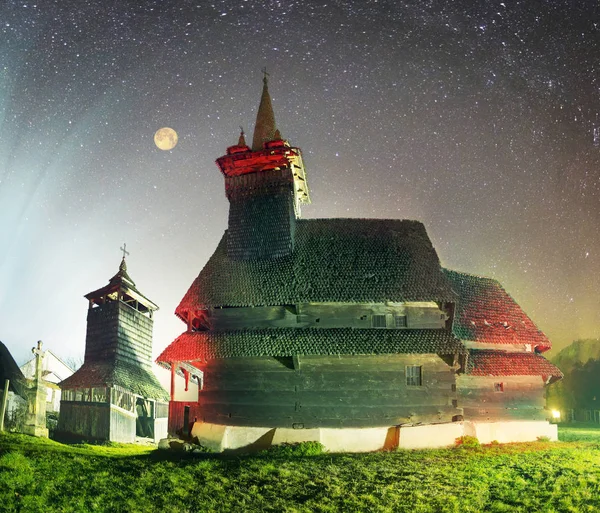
[{"x": 42, "y": 475}]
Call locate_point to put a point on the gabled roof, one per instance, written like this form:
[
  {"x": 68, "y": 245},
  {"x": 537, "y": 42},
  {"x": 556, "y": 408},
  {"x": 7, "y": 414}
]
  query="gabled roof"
[
  {"x": 502, "y": 363},
  {"x": 133, "y": 378},
  {"x": 194, "y": 346},
  {"x": 10, "y": 370},
  {"x": 334, "y": 260},
  {"x": 486, "y": 313},
  {"x": 52, "y": 364}
]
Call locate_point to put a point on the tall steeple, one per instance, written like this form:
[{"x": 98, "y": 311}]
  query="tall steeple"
[
  {"x": 264, "y": 128},
  {"x": 265, "y": 187}
]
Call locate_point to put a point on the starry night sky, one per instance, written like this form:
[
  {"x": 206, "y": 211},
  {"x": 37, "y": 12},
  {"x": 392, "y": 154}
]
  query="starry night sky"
[{"x": 478, "y": 118}]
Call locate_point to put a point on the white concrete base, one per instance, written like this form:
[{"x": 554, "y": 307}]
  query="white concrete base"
[
  {"x": 430, "y": 436},
  {"x": 219, "y": 437},
  {"x": 507, "y": 432}
]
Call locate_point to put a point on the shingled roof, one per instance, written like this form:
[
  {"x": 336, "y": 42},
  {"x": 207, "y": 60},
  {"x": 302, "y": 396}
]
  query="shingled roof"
[
  {"x": 10, "y": 370},
  {"x": 133, "y": 378},
  {"x": 486, "y": 313},
  {"x": 334, "y": 260},
  {"x": 206, "y": 345},
  {"x": 122, "y": 285},
  {"x": 502, "y": 363}
]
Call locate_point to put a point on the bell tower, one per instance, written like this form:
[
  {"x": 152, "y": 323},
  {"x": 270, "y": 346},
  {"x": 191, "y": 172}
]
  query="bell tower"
[
  {"x": 265, "y": 186},
  {"x": 115, "y": 395},
  {"x": 119, "y": 323}
]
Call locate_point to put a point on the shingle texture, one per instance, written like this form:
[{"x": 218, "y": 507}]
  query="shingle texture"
[
  {"x": 334, "y": 260},
  {"x": 10, "y": 370},
  {"x": 207, "y": 345},
  {"x": 501, "y": 363},
  {"x": 485, "y": 312},
  {"x": 130, "y": 377},
  {"x": 261, "y": 218}
]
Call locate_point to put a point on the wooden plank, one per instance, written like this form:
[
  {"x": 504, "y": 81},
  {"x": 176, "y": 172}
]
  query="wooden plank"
[
  {"x": 344, "y": 411},
  {"x": 243, "y": 364},
  {"x": 348, "y": 398},
  {"x": 368, "y": 398},
  {"x": 374, "y": 362},
  {"x": 247, "y": 397},
  {"x": 323, "y": 416},
  {"x": 504, "y": 414},
  {"x": 487, "y": 382},
  {"x": 381, "y": 380},
  {"x": 250, "y": 411},
  {"x": 502, "y": 399},
  {"x": 285, "y": 379},
  {"x": 288, "y": 379}
]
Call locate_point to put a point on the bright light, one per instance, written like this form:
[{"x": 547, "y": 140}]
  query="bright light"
[{"x": 555, "y": 414}]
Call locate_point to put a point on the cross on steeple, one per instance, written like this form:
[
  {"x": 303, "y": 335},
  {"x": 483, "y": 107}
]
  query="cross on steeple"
[
  {"x": 264, "y": 129},
  {"x": 124, "y": 250}
]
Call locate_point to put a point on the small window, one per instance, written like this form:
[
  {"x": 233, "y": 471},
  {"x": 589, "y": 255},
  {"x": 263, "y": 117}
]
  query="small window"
[
  {"x": 378, "y": 321},
  {"x": 498, "y": 387},
  {"x": 400, "y": 321},
  {"x": 413, "y": 376}
]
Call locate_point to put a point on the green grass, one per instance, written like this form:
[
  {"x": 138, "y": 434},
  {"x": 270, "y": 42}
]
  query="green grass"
[{"x": 42, "y": 475}]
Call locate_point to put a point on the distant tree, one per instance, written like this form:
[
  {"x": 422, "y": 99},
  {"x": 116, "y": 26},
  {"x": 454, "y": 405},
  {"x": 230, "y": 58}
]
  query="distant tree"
[
  {"x": 74, "y": 361},
  {"x": 578, "y": 390}
]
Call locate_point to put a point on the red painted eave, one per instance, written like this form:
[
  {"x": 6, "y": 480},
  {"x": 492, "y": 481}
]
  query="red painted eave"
[{"x": 245, "y": 162}]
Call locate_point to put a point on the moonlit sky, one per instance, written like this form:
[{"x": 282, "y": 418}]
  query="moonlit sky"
[{"x": 478, "y": 118}]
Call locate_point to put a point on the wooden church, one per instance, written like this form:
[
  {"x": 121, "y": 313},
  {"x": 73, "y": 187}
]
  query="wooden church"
[
  {"x": 344, "y": 331},
  {"x": 115, "y": 395}
]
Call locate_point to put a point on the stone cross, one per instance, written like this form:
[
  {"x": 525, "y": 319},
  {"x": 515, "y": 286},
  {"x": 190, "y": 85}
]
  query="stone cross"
[
  {"x": 35, "y": 422},
  {"x": 39, "y": 355}
]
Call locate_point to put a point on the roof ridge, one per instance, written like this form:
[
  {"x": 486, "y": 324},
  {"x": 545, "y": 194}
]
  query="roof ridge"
[
  {"x": 472, "y": 275},
  {"x": 370, "y": 219}
]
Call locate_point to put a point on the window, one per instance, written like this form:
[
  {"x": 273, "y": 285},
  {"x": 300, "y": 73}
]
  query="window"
[
  {"x": 378, "y": 321},
  {"x": 162, "y": 410},
  {"x": 413, "y": 376},
  {"x": 400, "y": 321},
  {"x": 498, "y": 387},
  {"x": 123, "y": 400},
  {"x": 99, "y": 395}
]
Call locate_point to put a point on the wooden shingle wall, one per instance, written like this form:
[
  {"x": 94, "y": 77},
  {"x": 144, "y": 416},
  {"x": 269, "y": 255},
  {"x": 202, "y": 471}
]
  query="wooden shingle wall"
[{"x": 118, "y": 331}]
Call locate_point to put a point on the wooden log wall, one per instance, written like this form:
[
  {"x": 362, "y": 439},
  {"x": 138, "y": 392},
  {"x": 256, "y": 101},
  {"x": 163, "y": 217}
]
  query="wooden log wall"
[
  {"x": 86, "y": 420},
  {"x": 327, "y": 315},
  {"x": 176, "y": 414},
  {"x": 522, "y": 398},
  {"x": 327, "y": 391}
]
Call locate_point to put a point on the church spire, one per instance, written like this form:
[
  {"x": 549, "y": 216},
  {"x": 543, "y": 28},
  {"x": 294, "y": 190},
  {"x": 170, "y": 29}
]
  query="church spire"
[{"x": 264, "y": 129}]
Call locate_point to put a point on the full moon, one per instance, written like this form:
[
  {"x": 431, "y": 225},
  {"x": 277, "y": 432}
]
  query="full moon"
[{"x": 165, "y": 138}]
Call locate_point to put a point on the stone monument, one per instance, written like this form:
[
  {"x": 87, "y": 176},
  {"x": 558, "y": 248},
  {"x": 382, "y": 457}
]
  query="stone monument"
[{"x": 35, "y": 424}]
